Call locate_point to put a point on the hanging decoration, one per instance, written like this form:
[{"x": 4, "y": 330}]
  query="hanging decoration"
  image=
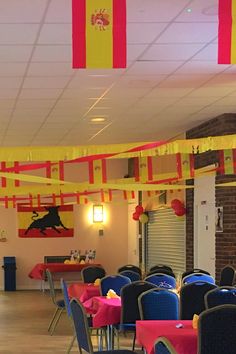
[
  {"x": 227, "y": 32},
  {"x": 99, "y": 34},
  {"x": 178, "y": 207},
  {"x": 140, "y": 215}
]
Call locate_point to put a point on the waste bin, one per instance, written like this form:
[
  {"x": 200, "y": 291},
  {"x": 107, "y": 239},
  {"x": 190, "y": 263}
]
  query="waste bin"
[{"x": 9, "y": 266}]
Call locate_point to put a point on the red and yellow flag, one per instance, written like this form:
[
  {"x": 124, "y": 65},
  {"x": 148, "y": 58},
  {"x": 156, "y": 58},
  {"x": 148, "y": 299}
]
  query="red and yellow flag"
[
  {"x": 97, "y": 171},
  {"x": 99, "y": 33},
  {"x": 185, "y": 165},
  {"x": 227, "y": 160},
  {"x": 227, "y": 32}
]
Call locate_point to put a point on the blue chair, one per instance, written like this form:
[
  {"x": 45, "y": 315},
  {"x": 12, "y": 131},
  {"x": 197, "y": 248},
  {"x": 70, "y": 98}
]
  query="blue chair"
[
  {"x": 162, "y": 280},
  {"x": 194, "y": 270},
  {"x": 59, "y": 304},
  {"x": 129, "y": 305},
  {"x": 132, "y": 267},
  {"x": 198, "y": 277},
  {"x": 133, "y": 276},
  {"x": 82, "y": 330},
  {"x": 220, "y": 296},
  {"x": 114, "y": 282},
  {"x": 158, "y": 304},
  {"x": 68, "y": 309},
  {"x": 163, "y": 346}
]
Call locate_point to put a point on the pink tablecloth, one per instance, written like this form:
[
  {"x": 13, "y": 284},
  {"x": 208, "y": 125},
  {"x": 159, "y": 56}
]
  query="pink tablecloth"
[
  {"x": 184, "y": 340},
  {"x": 105, "y": 311},
  {"x": 83, "y": 291},
  {"x": 38, "y": 271}
]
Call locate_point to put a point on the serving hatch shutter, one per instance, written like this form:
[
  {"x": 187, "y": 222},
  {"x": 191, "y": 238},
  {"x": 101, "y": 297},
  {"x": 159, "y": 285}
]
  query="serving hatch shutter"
[{"x": 165, "y": 240}]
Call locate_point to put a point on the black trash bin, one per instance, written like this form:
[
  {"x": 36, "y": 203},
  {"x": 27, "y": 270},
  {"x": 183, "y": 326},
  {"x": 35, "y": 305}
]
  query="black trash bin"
[{"x": 9, "y": 266}]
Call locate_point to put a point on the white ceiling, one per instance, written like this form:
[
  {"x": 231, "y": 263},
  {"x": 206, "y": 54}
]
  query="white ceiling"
[{"x": 172, "y": 81}]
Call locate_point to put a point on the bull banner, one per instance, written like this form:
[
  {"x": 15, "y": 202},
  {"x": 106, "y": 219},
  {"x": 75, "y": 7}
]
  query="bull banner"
[{"x": 45, "y": 222}]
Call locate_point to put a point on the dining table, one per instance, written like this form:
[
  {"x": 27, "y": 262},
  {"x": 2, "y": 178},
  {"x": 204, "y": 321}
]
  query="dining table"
[
  {"x": 180, "y": 333},
  {"x": 83, "y": 291},
  {"x": 106, "y": 312}
]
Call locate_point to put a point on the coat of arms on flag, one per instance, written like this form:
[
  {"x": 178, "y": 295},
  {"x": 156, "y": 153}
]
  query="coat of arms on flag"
[{"x": 47, "y": 221}]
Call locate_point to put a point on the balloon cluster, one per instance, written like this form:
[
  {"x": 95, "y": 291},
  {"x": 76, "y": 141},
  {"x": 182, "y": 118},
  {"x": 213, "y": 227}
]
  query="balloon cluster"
[
  {"x": 139, "y": 214},
  {"x": 178, "y": 207}
]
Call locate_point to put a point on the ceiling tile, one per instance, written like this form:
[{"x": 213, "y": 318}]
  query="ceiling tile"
[
  {"x": 55, "y": 34},
  {"x": 40, "y": 93},
  {"x": 18, "y": 33},
  {"x": 23, "y": 11},
  {"x": 201, "y": 11},
  {"x": 11, "y": 53},
  {"x": 154, "y": 67},
  {"x": 189, "y": 33},
  {"x": 59, "y": 11},
  {"x": 144, "y": 33},
  {"x": 47, "y": 69},
  {"x": 201, "y": 67},
  {"x": 12, "y": 69},
  {"x": 52, "y": 53},
  {"x": 171, "y": 52},
  {"x": 45, "y": 82}
]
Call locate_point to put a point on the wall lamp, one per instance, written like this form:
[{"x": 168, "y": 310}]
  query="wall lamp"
[{"x": 98, "y": 213}]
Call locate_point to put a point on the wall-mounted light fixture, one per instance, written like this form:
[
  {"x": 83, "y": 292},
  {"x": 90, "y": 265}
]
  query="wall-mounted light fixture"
[{"x": 98, "y": 213}]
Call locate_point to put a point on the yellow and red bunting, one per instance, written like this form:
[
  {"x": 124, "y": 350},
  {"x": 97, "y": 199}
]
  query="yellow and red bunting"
[
  {"x": 227, "y": 32},
  {"x": 143, "y": 169},
  {"x": 5, "y": 166},
  {"x": 185, "y": 165},
  {"x": 55, "y": 170},
  {"x": 34, "y": 216},
  {"x": 81, "y": 198},
  {"x": 99, "y": 33},
  {"x": 106, "y": 195},
  {"x": 129, "y": 195},
  {"x": 227, "y": 159},
  {"x": 97, "y": 171}
]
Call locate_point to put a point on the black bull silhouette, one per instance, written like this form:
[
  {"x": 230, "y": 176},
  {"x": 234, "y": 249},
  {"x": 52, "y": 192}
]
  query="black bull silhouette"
[{"x": 52, "y": 219}]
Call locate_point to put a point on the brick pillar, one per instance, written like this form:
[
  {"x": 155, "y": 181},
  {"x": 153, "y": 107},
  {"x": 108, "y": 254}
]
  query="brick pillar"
[{"x": 226, "y": 197}]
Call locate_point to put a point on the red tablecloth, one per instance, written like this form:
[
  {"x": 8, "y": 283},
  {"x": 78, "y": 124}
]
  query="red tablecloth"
[
  {"x": 106, "y": 311},
  {"x": 38, "y": 271},
  {"x": 83, "y": 291},
  {"x": 184, "y": 340}
]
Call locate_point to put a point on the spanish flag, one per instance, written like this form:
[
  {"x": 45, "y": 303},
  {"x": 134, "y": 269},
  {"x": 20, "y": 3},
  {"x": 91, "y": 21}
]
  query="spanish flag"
[
  {"x": 227, "y": 32},
  {"x": 99, "y": 33}
]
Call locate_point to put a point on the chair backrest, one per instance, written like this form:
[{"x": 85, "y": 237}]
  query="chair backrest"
[
  {"x": 163, "y": 346},
  {"x": 132, "y": 267},
  {"x": 227, "y": 276},
  {"x": 114, "y": 282},
  {"x": 161, "y": 270},
  {"x": 129, "y": 300},
  {"x": 133, "y": 276},
  {"x": 194, "y": 270},
  {"x": 216, "y": 330},
  {"x": 51, "y": 285},
  {"x": 220, "y": 296},
  {"x": 81, "y": 325},
  {"x": 162, "y": 280},
  {"x": 160, "y": 266},
  {"x": 192, "y": 298},
  {"x": 158, "y": 304},
  {"x": 91, "y": 273},
  {"x": 66, "y": 297},
  {"x": 198, "y": 277}
]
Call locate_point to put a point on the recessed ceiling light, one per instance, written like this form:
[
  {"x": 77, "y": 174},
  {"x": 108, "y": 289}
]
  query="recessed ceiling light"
[
  {"x": 189, "y": 10},
  {"x": 98, "y": 119}
]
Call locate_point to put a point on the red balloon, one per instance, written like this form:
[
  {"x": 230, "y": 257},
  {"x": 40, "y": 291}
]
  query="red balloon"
[
  {"x": 180, "y": 211},
  {"x": 176, "y": 203},
  {"x": 139, "y": 209},
  {"x": 136, "y": 216}
]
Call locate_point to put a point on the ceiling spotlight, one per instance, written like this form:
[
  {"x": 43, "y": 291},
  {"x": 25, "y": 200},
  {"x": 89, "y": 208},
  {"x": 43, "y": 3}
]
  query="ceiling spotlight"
[
  {"x": 97, "y": 119},
  {"x": 189, "y": 10}
]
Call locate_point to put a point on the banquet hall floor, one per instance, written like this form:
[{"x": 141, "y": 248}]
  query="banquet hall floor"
[{"x": 24, "y": 318}]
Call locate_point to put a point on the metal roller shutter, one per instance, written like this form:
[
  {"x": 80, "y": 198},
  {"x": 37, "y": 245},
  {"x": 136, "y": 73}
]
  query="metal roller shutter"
[{"x": 165, "y": 240}]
